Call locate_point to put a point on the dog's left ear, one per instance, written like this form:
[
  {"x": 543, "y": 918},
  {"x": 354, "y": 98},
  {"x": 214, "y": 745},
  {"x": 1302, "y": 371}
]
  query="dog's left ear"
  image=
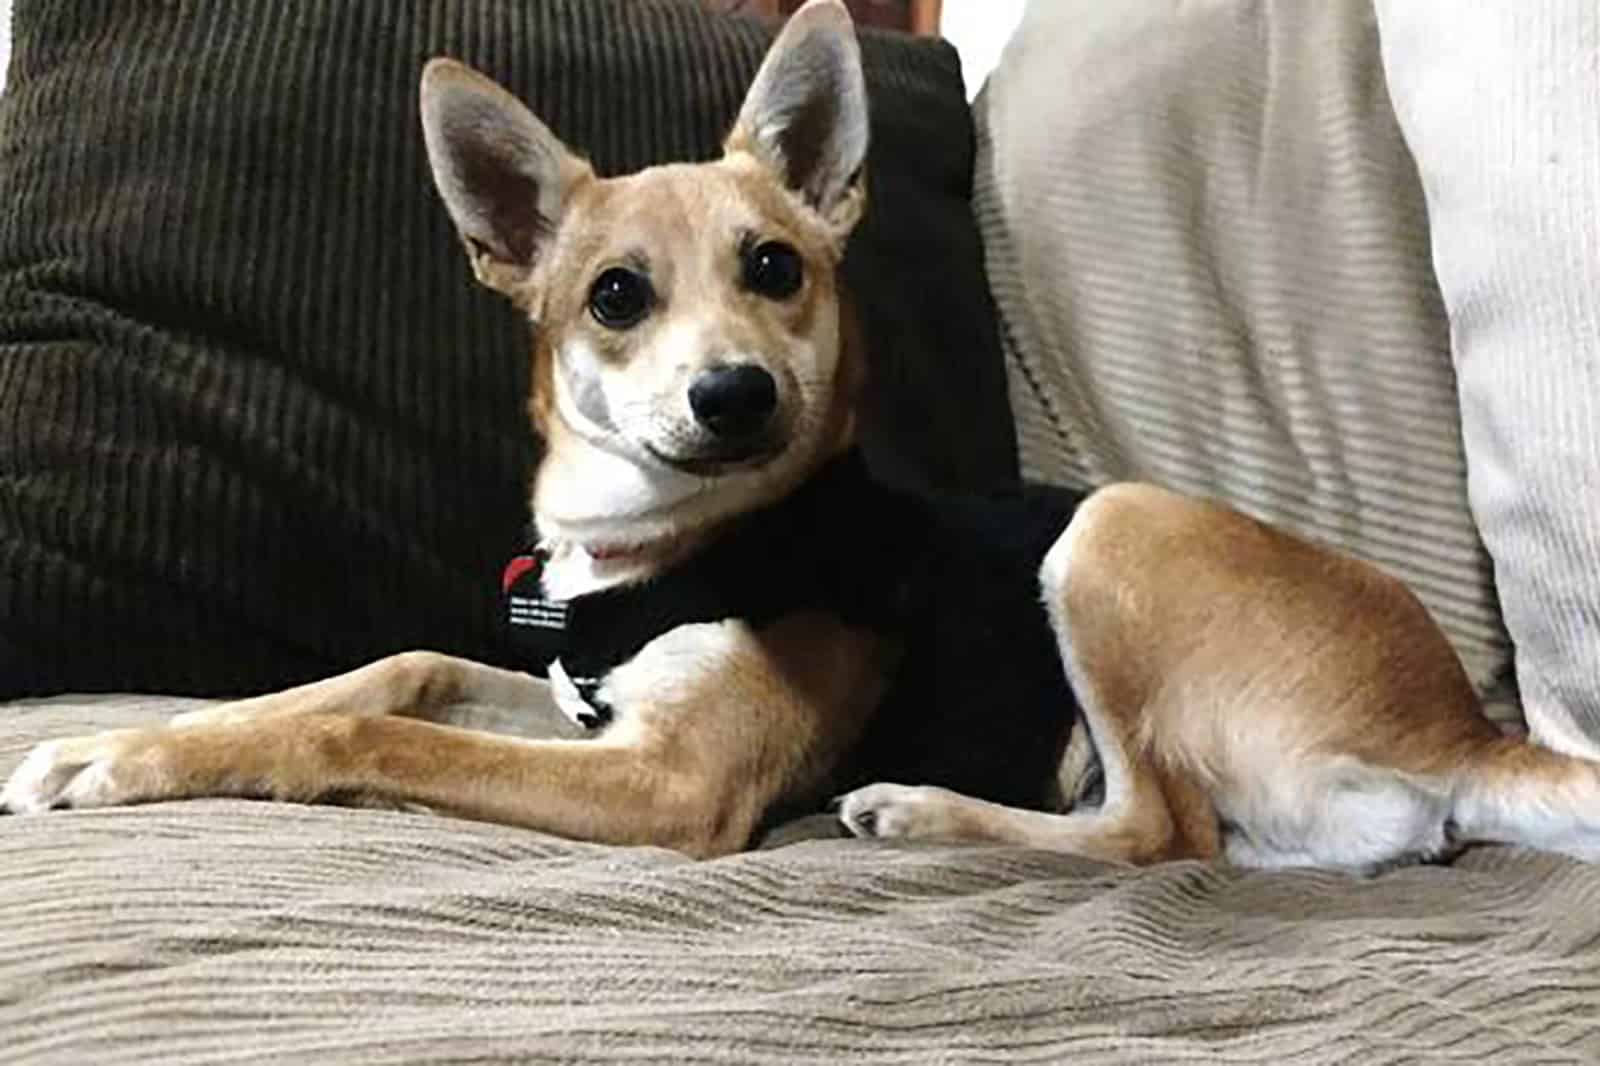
[{"x": 806, "y": 113}]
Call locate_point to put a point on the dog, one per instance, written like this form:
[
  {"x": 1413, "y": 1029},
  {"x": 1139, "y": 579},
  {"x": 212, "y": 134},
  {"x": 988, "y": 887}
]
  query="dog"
[{"x": 750, "y": 623}]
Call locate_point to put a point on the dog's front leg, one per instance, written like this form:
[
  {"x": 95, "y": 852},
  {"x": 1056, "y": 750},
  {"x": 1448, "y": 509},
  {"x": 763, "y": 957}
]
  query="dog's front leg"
[
  {"x": 571, "y": 787},
  {"x": 86, "y": 770},
  {"x": 414, "y": 684},
  {"x": 713, "y": 723}
]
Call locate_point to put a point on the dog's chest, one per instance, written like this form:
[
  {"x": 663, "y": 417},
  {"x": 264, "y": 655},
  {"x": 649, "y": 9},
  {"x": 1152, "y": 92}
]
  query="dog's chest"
[
  {"x": 835, "y": 546},
  {"x": 978, "y": 702}
]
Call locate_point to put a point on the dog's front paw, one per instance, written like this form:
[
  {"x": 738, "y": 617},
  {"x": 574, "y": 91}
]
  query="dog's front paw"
[
  {"x": 102, "y": 770},
  {"x": 903, "y": 812}
]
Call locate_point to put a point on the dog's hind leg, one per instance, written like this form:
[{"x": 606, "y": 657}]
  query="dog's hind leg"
[
  {"x": 1149, "y": 812},
  {"x": 1139, "y": 832},
  {"x": 1148, "y": 815}
]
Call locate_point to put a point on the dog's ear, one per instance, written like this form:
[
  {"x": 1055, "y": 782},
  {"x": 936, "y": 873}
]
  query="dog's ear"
[
  {"x": 806, "y": 113},
  {"x": 503, "y": 175}
]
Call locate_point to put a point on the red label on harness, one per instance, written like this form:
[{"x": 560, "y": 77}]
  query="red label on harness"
[{"x": 515, "y": 569}]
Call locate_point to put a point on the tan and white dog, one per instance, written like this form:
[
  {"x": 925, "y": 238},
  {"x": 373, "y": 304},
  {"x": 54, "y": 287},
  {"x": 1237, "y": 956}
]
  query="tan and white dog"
[{"x": 1247, "y": 694}]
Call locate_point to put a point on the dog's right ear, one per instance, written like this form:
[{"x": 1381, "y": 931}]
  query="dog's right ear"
[{"x": 503, "y": 175}]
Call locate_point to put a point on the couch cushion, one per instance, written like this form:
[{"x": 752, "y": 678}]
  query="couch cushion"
[
  {"x": 236, "y": 932},
  {"x": 1501, "y": 104},
  {"x": 256, "y": 422},
  {"x": 1209, "y": 249}
]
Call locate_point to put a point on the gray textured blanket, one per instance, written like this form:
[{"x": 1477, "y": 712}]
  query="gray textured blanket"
[{"x": 235, "y": 932}]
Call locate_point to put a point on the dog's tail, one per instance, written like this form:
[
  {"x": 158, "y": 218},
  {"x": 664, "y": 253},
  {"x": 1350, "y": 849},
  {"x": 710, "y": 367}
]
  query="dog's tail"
[{"x": 1516, "y": 792}]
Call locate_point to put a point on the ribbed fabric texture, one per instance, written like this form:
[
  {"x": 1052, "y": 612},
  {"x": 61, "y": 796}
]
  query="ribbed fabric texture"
[
  {"x": 1500, "y": 102},
  {"x": 256, "y": 421},
  {"x": 251, "y": 933},
  {"x": 1210, "y": 251}
]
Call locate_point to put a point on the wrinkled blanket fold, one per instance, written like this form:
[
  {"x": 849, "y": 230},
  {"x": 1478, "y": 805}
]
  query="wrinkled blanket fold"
[{"x": 239, "y": 932}]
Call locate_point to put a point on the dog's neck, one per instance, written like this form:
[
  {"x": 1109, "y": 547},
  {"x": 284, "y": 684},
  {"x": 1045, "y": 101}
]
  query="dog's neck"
[
  {"x": 591, "y": 557},
  {"x": 573, "y": 569},
  {"x": 582, "y": 562}
]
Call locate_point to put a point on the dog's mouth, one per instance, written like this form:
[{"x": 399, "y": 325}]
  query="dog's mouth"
[
  {"x": 627, "y": 551},
  {"x": 721, "y": 459}
]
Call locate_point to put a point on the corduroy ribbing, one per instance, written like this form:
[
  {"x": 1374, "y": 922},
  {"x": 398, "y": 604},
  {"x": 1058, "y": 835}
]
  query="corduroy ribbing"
[
  {"x": 256, "y": 423},
  {"x": 1212, "y": 261},
  {"x": 1501, "y": 104}
]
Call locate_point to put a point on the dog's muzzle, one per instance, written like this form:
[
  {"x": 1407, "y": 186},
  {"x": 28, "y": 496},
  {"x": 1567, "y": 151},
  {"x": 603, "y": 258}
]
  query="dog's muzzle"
[{"x": 736, "y": 420}]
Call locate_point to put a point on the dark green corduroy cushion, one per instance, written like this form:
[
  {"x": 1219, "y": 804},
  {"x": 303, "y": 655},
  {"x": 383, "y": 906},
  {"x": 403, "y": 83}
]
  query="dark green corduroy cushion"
[{"x": 256, "y": 421}]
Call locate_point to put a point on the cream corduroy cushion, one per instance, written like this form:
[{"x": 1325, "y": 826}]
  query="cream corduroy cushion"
[
  {"x": 1210, "y": 252},
  {"x": 1500, "y": 102}
]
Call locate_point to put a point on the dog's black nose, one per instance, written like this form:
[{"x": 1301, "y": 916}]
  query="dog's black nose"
[{"x": 733, "y": 401}]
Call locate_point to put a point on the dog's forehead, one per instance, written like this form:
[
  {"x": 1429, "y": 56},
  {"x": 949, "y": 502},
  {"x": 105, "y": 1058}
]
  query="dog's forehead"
[{"x": 679, "y": 205}]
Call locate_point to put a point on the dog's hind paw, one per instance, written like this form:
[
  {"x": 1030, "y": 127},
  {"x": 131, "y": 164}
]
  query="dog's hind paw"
[
  {"x": 903, "y": 812},
  {"x": 90, "y": 771}
]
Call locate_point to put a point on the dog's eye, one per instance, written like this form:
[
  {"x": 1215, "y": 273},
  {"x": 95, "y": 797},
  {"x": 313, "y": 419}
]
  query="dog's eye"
[
  {"x": 773, "y": 269},
  {"x": 620, "y": 298}
]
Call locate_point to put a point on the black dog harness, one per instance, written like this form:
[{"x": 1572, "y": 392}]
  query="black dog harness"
[
  {"x": 786, "y": 558},
  {"x": 979, "y": 701}
]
